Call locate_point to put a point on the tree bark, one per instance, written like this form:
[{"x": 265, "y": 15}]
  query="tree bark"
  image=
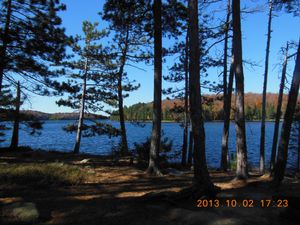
[
  {"x": 201, "y": 176},
  {"x": 82, "y": 109},
  {"x": 264, "y": 95},
  {"x": 278, "y": 112},
  {"x": 186, "y": 107},
  {"x": 226, "y": 94},
  {"x": 225, "y": 153},
  {"x": 124, "y": 144},
  {"x": 153, "y": 167},
  {"x": 191, "y": 146},
  {"x": 287, "y": 123},
  {"x": 225, "y": 51},
  {"x": 15, "y": 136},
  {"x": 298, "y": 158},
  {"x": 241, "y": 147},
  {"x": 124, "y": 147},
  {"x": 5, "y": 40}
]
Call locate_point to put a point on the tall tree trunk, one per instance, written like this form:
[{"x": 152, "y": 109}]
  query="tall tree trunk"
[
  {"x": 298, "y": 159},
  {"x": 5, "y": 40},
  {"x": 225, "y": 153},
  {"x": 287, "y": 123},
  {"x": 226, "y": 105},
  {"x": 264, "y": 95},
  {"x": 226, "y": 52},
  {"x": 124, "y": 144},
  {"x": 241, "y": 147},
  {"x": 124, "y": 147},
  {"x": 201, "y": 176},
  {"x": 15, "y": 136},
  {"x": 278, "y": 112},
  {"x": 156, "y": 126},
  {"x": 186, "y": 99},
  {"x": 191, "y": 146},
  {"x": 82, "y": 109}
]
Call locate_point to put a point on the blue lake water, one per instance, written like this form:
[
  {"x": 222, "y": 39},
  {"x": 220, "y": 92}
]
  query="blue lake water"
[{"x": 54, "y": 138}]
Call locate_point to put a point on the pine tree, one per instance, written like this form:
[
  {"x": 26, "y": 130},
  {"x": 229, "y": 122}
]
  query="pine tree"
[
  {"x": 31, "y": 41},
  {"x": 241, "y": 147},
  {"x": 227, "y": 93},
  {"x": 15, "y": 135},
  {"x": 156, "y": 124},
  {"x": 178, "y": 74},
  {"x": 264, "y": 95},
  {"x": 179, "y": 71},
  {"x": 278, "y": 111},
  {"x": 202, "y": 180},
  {"x": 127, "y": 21},
  {"x": 6, "y": 107},
  {"x": 280, "y": 165},
  {"x": 290, "y": 6},
  {"x": 295, "y": 137},
  {"x": 90, "y": 83},
  {"x": 10, "y": 111}
]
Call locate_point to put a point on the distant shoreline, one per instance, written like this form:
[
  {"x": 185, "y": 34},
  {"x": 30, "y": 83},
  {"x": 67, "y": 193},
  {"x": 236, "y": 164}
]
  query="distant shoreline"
[
  {"x": 172, "y": 121},
  {"x": 134, "y": 121}
]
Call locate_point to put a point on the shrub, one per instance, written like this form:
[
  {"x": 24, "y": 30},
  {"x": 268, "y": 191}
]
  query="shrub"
[
  {"x": 37, "y": 174},
  {"x": 141, "y": 150},
  {"x": 232, "y": 162}
]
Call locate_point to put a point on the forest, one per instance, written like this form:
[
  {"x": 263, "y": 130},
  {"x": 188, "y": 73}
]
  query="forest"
[
  {"x": 173, "y": 110},
  {"x": 198, "y": 58}
]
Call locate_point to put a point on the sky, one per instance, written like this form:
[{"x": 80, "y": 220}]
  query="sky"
[{"x": 285, "y": 27}]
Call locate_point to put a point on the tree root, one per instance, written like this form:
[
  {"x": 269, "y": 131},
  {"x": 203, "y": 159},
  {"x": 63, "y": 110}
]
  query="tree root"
[
  {"x": 192, "y": 193},
  {"x": 154, "y": 171}
]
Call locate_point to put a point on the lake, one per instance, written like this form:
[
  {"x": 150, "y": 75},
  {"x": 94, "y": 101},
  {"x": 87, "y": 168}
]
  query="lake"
[{"x": 54, "y": 138}]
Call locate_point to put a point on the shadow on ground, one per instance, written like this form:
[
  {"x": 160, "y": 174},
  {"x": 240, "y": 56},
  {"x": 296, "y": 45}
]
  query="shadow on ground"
[{"x": 114, "y": 193}]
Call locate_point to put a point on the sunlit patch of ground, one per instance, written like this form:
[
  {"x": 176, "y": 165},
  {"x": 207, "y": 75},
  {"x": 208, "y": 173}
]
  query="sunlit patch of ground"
[{"x": 114, "y": 193}]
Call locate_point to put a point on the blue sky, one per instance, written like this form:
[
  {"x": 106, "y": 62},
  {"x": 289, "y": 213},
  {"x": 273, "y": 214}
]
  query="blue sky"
[{"x": 254, "y": 27}]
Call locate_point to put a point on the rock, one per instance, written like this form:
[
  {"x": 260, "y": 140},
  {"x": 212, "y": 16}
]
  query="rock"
[
  {"x": 204, "y": 217},
  {"x": 84, "y": 161},
  {"x": 173, "y": 172},
  {"x": 20, "y": 213}
]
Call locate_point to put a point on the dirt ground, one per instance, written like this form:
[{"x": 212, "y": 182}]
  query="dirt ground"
[{"x": 116, "y": 193}]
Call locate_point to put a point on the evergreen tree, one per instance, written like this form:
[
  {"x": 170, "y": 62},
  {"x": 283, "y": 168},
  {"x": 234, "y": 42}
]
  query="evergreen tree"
[
  {"x": 31, "y": 40},
  {"x": 6, "y": 105},
  {"x": 156, "y": 125},
  {"x": 295, "y": 137},
  {"x": 166, "y": 20},
  {"x": 179, "y": 73},
  {"x": 10, "y": 111},
  {"x": 202, "y": 180},
  {"x": 264, "y": 97},
  {"x": 90, "y": 83},
  {"x": 278, "y": 111},
  {"x": 241, "y": 147},
  {"x": 280, "y": 164},
  {"x": 15, "y": 135},
  {"x": 127, "y": 22},
  {"x": 290, "y": 6},
  {"x": 227, "y": 92}
]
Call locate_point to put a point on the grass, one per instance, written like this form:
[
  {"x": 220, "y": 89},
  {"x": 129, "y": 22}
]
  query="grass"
[
  {"x": 41, "y": 174},
  {"x": 232, "y": 162}
]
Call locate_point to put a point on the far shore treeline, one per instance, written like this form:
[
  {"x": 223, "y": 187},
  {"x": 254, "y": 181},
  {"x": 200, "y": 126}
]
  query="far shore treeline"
[
  {"x": 173, "y": 109},
  {"x": 51, "y": 116}
]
